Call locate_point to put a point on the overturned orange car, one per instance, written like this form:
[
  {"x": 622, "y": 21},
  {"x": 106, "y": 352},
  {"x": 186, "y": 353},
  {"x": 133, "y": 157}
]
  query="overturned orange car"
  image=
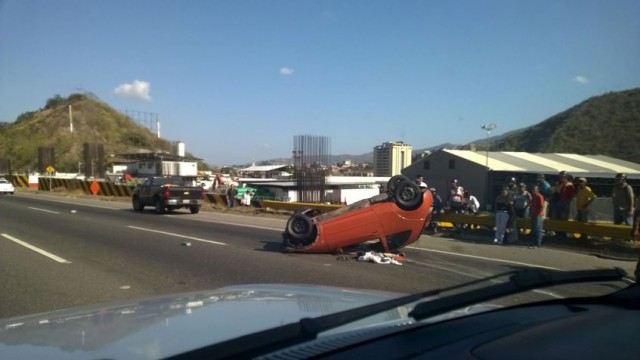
[{"x": 395, "y": 217}]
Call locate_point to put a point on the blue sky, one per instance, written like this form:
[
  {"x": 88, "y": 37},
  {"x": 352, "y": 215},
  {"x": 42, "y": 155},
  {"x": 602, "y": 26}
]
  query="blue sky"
[{"x": 237, "y": 80}]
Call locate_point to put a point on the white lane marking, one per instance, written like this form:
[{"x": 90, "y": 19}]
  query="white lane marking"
[
  {"x": 49, "y": 211},
  {"x": 495, "y": 281},
  {"x": 176, "y": 235},
  {"x": 440, "y": 267},
  {"x": 234, "y": 224},
  {"x": 38, "y": 250},
  {"x": 486, "y": 258},
  {"x": 81, "y": 204}
]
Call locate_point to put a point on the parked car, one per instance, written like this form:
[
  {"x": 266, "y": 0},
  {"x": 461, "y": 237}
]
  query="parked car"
[
  {"x": 395, "y": 217},
  {"x": 167, "y": 193},
  {"x": 6, "y": 187}
]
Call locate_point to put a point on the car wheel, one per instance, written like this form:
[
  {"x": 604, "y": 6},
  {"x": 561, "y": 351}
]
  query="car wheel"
[
  {"x": 299, "y": 227},
  {"x": 194, "y": 209},
  {"x": 137, "y": 205},
  {"x": 159, "y": 206},
  {"x": 392, "y": 184},
  {"x": 407, "y": 195}
]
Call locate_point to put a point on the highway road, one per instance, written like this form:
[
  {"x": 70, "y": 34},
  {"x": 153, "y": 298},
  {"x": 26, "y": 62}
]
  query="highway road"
[{"x": 59, "y": 252}]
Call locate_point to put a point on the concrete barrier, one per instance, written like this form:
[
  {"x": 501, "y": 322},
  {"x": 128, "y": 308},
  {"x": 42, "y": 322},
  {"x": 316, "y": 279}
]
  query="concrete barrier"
[{"x": 291, "y": 206}]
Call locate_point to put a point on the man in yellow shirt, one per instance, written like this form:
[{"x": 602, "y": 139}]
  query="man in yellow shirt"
[{"x": 584, "y": 198}]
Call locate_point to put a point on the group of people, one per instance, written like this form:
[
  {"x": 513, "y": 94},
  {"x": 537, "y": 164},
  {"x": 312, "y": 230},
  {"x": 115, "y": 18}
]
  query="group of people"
[
  {"x": 232, "y": 197},
  {"x": 457, "y": 201},
  {"x": 514, "y": 202},
  {"x": 554, "y": 202}
]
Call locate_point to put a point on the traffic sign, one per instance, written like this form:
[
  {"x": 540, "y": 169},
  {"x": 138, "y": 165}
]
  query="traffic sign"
[{"x": 95, "y": 188}]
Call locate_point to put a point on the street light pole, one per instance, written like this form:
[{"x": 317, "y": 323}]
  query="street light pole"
[{"x": 488, "y": 128}]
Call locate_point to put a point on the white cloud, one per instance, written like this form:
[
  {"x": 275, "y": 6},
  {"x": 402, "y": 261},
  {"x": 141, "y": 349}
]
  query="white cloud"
[
  {"x": 580, "y": 79},
  {"x": 137, "y": 90},
  {"x": 286, "y": 71}
]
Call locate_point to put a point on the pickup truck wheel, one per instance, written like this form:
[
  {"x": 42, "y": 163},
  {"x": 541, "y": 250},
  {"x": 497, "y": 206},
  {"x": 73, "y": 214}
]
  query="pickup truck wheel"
[
  {"x": 299, "y": 227},
  {"x": 159, "y": 205},
  {"x": 137, "y": 205},
  {"x": 194, "y": 209},
  {"x": 392, "y": 184},
  {"x": 407, "y": 195}
]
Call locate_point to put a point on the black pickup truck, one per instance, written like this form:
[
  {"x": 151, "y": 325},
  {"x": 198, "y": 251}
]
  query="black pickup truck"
[{"x": 167, "y": 193}]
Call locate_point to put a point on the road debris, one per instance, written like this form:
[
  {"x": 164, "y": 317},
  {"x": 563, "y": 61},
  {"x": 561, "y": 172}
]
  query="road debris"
[{"x": 381, "y": 258}]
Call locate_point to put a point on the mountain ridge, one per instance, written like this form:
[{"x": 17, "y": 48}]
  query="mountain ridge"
[{"x": 607, "y": 124}]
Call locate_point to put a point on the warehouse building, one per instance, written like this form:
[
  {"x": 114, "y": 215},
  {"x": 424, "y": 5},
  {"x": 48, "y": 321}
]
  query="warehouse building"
[{"x": 485, "y": 173}]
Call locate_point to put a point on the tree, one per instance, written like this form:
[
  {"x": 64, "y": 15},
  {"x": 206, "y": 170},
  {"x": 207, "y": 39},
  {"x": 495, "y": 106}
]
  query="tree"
[{"x": 54, "y": 102}]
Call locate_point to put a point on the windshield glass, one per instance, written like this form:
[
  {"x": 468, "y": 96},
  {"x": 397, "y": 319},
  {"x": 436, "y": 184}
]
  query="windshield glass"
[{"x": 348, "y": 151}]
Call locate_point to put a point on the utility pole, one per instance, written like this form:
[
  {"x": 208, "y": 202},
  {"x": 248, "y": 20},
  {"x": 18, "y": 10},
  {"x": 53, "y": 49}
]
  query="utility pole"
[
  {"x": 70, "y": 119},
  {"x": 487, "y": 194},
  {"x": 488, "y": 128}
]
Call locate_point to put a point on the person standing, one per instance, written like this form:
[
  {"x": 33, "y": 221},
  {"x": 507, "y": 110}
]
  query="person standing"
[
  {"x": 623, "y": 201},
  {"x": 562, "y": 194},
  {"x": 503, "y": 210},
  {"x": 635, "y": 228},
  {"x": 544, "y": 188},
  {"x": 454, "y": 197},
  {"x": 232, "y": 193},
  {"x": 246, "y": 198},
  {"x": 536, "y": 214},
  {"x": 584, "y": 197},
  {"x": 471, "y": 203},
  {"x": 455, "y": 202},
  {"x": 521, "y": 202},
  {"x": 420, "y": 182},
  {"x": 437, "y": 210}
]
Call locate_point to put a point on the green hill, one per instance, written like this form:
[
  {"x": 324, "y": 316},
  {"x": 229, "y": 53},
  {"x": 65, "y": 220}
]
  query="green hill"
[
  {"x": 93, "y": 122},
  {"x": 608, "y": 125},
  {"x": 604, "y": 125}
]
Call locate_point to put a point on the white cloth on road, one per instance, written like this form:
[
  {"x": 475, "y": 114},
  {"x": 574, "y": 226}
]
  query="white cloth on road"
[{"x": 370, "y": 256}]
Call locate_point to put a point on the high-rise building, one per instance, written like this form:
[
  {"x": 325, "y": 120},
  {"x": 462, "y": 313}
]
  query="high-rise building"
[{"x": 390, "y": 158}]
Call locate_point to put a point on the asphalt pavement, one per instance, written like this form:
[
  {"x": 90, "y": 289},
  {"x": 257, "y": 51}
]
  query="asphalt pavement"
[
  {"x": 556, "y": 253},
  {"x": 566, "y": 254}
]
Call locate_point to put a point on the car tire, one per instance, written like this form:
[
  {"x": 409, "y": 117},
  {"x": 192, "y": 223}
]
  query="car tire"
[
  {"x": 159, "y": 206},
  {"x": 299, "y": 227},
  {"x": 407, "y": 195},
  {"x": 392, "y": 184},
  {"x": 137, "y": 205},
  {"x": 194, "y": 209}
]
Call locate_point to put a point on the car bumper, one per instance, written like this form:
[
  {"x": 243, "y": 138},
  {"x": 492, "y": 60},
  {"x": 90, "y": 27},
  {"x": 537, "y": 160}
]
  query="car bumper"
[{"x": 184, "y": 202}]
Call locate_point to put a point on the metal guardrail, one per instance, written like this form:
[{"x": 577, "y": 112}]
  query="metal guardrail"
[
  {"x": 599, "y": 229},
  {"x": 293, "y": 206}
]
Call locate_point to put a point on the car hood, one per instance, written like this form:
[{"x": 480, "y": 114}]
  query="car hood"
[{"x": 169, "y": 325}]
